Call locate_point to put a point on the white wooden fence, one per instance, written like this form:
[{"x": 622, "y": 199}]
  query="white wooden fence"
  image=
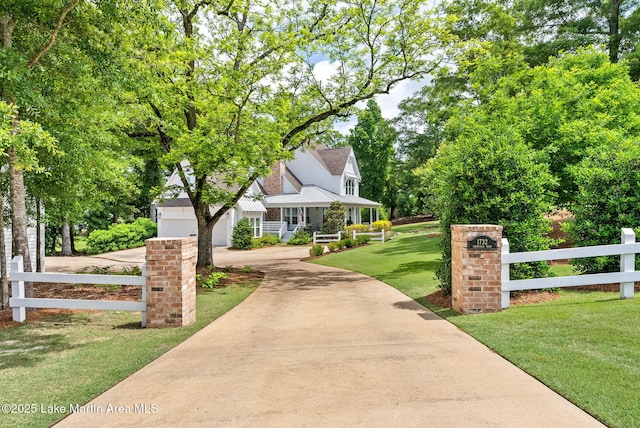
[
  {"x": 627, "y": 276},
  {"x": 375, "y": 236},
  {"x": 326, "y": 237},
  {"x": 19, "y": 302}
]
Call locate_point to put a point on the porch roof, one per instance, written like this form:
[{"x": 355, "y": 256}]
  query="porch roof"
[
  {"x": 314, "y": 196},
  {"x": 250, "y": 206}
]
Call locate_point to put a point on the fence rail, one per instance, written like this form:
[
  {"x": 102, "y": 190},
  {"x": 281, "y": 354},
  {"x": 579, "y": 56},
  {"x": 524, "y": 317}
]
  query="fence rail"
[
  {"x": 626, "y": 277},
  {"x": 375, "y": 236},
  {"x": 321, "y": 238},
  {"x": 19, "y": 302}
]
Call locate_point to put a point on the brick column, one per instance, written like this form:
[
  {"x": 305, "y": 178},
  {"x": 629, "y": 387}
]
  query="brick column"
[
  {"x": 476, "y": 268},
  {"x": 171, "y": 282}
]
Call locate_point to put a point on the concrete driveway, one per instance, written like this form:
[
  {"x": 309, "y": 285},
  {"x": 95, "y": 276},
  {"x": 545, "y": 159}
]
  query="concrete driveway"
[{"x": 317, "y": 346}]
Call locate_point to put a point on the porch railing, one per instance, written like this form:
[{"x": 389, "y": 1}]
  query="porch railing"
[{"x": 278, "y": 228}]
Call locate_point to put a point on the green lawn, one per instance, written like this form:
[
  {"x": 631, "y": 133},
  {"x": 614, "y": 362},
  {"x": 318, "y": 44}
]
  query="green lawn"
[
  {"x": 72, "y": 358},
  {"x": 586, "y": 345}
]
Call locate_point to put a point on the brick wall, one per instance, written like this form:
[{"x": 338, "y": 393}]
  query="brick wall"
[
  {"x": 171, "y": 282},
  {"x": 272, "y": 184},
  {"x": 475, "y": 274},
  {"x": 273, "y": 214}
]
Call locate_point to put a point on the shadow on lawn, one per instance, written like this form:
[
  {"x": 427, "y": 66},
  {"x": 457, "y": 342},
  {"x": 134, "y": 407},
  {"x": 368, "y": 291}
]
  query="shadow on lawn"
[
  {"x": 409, "y": 245},
  {"x": 26, "y": 348}
]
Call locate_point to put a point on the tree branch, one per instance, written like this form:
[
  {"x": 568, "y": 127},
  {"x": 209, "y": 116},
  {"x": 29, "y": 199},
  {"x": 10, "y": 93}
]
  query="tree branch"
[{"x": 54, "y": 35}]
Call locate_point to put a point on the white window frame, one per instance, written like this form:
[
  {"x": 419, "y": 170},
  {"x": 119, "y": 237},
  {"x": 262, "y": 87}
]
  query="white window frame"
[{"x": 350, "y": 187}]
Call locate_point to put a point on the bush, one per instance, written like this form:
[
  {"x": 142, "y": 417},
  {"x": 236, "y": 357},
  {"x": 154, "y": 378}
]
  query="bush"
[
  {"x": 333, "y": 246},
  {"x": 363, "y": 239},
  {"x": 267, "y": 240},
  {"x": 381, "y": 225},
  {"x": 300, "y": 238},
  {"x": 608, "y": 199},
  {"x": 490, "y": 176},
  {"x": 349, "y": 242},
  {"x": 334, "y": 218},
  {"x": 358, "y": 228},
  {"x": 242, "y": 235},
  {"x": 316, "y": 250},
  {"x": 121, "y": 236}
]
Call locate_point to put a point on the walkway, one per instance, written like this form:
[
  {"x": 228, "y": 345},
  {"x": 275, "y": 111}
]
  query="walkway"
[{"x": 322, "y": 347}]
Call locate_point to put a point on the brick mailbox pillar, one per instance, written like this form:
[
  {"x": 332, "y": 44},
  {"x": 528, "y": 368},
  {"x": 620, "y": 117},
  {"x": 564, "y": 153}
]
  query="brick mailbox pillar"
[
  {"x": 476, "y": 268},
  {"x": 171, "y": 282}
]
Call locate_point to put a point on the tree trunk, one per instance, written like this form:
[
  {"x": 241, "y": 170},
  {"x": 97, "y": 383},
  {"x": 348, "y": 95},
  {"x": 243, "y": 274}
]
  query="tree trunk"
[
  {"x": 205, "y": 235},
  {"x": 20, "y": 244},
  {"x": 614, "y": 31},
  {"x": 67, "y": 249},
  {"x": 4, "y": 303}
]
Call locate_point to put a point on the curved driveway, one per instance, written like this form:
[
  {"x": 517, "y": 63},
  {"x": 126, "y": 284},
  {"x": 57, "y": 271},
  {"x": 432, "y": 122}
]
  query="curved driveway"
[{"x": 317, "y": 346}]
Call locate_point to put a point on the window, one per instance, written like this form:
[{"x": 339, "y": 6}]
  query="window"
[
  {"x": 350, "y": 187},
  {"x": 255, "y": 225}
]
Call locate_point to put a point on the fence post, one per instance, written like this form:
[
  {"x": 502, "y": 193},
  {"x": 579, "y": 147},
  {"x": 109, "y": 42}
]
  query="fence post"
[
  {"x": 144, "y": 295},
  {"x": 314, "y": 238},
  {"x": 17, "y": 289},
  {"x": 354, "y": 233},
  {"x": 383, "y": 233},
  {"x": 506, "y": 295},
  {"x": 476, "y": 259},
  {"x": 171, "y": 282},
  {"x": 339, "y": 235},
  {"x": 627, "y": 263}
]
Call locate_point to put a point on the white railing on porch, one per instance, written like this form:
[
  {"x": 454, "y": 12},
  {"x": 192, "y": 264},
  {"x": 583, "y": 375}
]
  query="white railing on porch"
[
  {"x": 19, "y": 302},
  {"x": 278, "y": 228},
  {"x": 626, "y": 277},
  {"x": 375, "y": 236},
  {"x": 326, "y": 237}
]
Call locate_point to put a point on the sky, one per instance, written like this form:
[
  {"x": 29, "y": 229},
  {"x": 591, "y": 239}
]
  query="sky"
[{"x": 388, "y": 102}]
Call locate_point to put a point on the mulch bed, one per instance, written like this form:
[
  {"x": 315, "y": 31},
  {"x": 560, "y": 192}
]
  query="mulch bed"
[{"x": 106, "y": 292}]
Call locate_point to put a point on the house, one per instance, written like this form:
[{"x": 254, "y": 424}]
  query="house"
[{"x": 294, "y": 196}]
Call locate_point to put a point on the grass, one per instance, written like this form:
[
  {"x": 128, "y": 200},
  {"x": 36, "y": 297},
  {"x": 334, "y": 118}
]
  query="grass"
[
  {"x": 585, "y": 346},
  {"x": 70, "y": 359}
]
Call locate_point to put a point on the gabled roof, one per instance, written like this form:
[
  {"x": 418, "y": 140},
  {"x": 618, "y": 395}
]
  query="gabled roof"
[
  {"x": 291, "y": 178},
  {"x": 334, "y": 160}
]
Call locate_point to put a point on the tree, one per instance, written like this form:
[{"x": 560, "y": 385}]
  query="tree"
[
  {"x": 25, "y": 39},
  {"x": 231, "y": 88},
  {"x": 372, "y": 140},
  {"x": 334, "y": 218},
  {"x": 490, "y": 176},
  {"x": 608, "y": 200}
]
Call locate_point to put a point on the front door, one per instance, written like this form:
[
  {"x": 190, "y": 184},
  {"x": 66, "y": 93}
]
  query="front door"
[{"x": 291, "y": 217}]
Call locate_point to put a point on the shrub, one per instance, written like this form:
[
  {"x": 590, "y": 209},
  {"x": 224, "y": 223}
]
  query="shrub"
[
  {"x": 121, "y": 236},
  {"x": 213, "y": 279},
  {"x": 490, "y": 176},
  {"x": 608, "y": 199},
  {"x": 363, "y": 239},
  {"x": 242, "y": 235},
  {"x": 349, "y": 242},
  {"x": 316, "y": 250},
  {"x": 333, "y": 246},
  {"x": 334, "y": 218},
  {"x": 381, "y": 225},
  {"x": 357, "y": 228},
  {"x": 267, "y": 240},
  {"x": 300, "y": 238}
]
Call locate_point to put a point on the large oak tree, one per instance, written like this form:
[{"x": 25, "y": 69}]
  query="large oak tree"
[{"x": 231, "y": 87}]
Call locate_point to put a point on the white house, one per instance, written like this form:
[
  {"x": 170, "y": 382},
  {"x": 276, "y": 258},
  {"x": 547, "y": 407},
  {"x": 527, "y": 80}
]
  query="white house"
[{"x": 295, "y": 195}]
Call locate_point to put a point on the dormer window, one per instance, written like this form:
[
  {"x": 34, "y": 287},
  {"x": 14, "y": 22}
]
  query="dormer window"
[{"x": 350, "y": 187}]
